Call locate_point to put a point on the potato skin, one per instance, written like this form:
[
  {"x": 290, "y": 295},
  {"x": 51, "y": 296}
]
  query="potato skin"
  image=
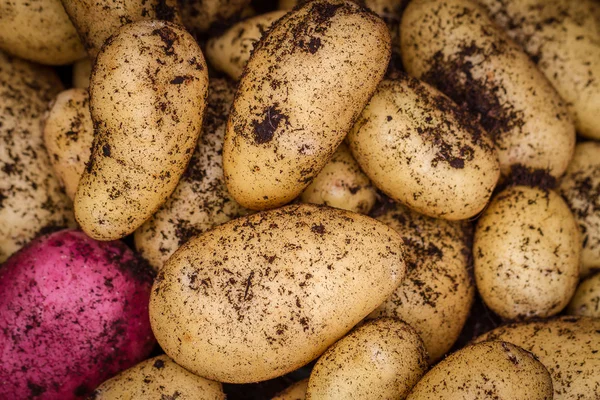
[
  {"x": 262, "y": 295},
  {"x": 297, "y": 391},
  {"x": 586, "y": 301},
  {"x": 82, "y": 70},
  {"x": 382, "y": 359},
  {"x": 295, "y": 103},
  {"x": 200, "y": 15},
  {"x": 147, "y": 97},
  {"x": 454, "y": 46}
]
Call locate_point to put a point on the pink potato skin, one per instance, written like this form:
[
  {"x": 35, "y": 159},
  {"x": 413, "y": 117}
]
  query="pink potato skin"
[{"x": 73, "y": 313}]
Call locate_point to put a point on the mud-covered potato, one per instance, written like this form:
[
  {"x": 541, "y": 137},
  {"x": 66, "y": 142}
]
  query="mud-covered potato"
[
  {"x": 586, "y": 301},
  {"x": 297, "y": 391},
  {"x": 147, "y": 96},
  {"x": 262, "y": 295},
  {"x": 295, "y": 102},
  {"x": 82, "y": 70},
  {"x": 200, "y": 15}
]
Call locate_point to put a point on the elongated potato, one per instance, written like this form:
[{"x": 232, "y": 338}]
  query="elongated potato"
[
  {"x": 147, "y": 97},
  {"x": 297, "y": 391},
  {"x": 454, "y": 45},
  {"x": 200, "y": 15},
  {"x": 264, "y": 294},
  {"x": 82, "y": 70},
  {"x": 295, "y": 102},
  {"x": 586, "y": 301}
]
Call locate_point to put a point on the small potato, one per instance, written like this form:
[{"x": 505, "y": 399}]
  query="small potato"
[
  {"x": 489, "y": 370},
  {"x": 382, "y": 359},
  {"x": 82, "y": 70},
  {"x": 147, "y": 97},
  {"x": 297, "y": 391},
  {"x": 586, "y": 301},
  {"x": 68, "y": 136},
  {"x": 341, "y": 184},
  {"x": 526, "y": 253},
  {"x": 200, "y": 15},
  {"x": 424, "y": 151}
]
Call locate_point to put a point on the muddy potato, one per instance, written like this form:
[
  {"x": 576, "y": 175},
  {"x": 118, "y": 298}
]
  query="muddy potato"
[
  {"x": 82, "y": 70},
  {"x": 200, "y": 15},
  {"x": 264, "y": 294},
  {"x": 382, "y": 359},
  {"x": 295, "y": 103},
  {"x": 454, "y": 46},
  {"x": 297, "y": 391},
  {"x": 147, "y": 97},
  {"x": 586, "y": 301}
]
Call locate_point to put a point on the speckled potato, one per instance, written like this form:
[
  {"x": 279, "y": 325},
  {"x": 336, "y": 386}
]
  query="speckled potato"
[
  {"x": 567, "y": 346},
  {"x": 580, "y": 187},
  {"x": 382, "y": 359},
  {"x": 264, "y": 294},
  {"x": 341, "y": 184},
  {"x": 437, "y": 294},
  {"x": 230, "y": 51},
  {"x": 586, "y": 301},
  {"x": 563, "y": 39},
  {"x": 425, "y": 151},
  {"x": 455, "y": 46},
  {"x": 490, "y": 370},
  {"x": 297, "y": 391},
  {"x": 295, "y": 102},
  {"x": 68, "y": 136},
  {"x": 147, "y": 97},
  {"x": 82, "y": 70},
  {"x": 158, "y": 378},
  {"x": 201, "y": 200},
  {"x": 31, "y": 200},
  {"x": 200, "y": 15},
  {"x": 40, "y": 31},
  {"x": 526, "y": 253}
]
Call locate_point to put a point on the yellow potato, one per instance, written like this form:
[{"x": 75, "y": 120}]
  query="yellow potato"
[
  {"x": 200, "y": 15},
  {"x": 82, "y": 70},
  {"x": 297, "y": 391},
  {"x": 586, "y": 301}
]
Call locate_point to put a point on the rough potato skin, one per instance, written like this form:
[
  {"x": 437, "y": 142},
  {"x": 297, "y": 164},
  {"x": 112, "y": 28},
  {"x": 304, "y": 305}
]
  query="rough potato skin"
[
  {"x": 262, "y": 295},
  {"x": 586, "y": 301},
  {"x": 31, "y": 200},
  {"x": 200, "y": 15},
  {"x": 454, "y": 46},
  {"x": 295, "y": 102},
  {"x": 297, "y": 391},
  {"x": 147, "y": 97},
  {"x": 382, "y": 359}
]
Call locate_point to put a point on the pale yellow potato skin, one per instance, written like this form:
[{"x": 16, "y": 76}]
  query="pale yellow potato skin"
[
  {"x": 297, "y": 391},
  {"x": 456, "y": 47},
  {"x": 568, "y": 348},
  {"x": 147, "y": 96},
  {"x": 563, "y": 38},
  {"x": 423, "y": 150},
  {"x": 82, "y": 70},
  {"x": 296, "y": 101},
  {"x": 263, "y": 295},
  {"x": 526, "y": 253},
  {"x": 580, "y": 187},
  {"x": 231, "y": 51},
  {"x": 489, "y": 370},
  {"x": 158, "y": 378},
  {"x": 586, "y": 301},
  {"x": 382, "y": 359},
  {"x": 341, "y": 184},
  {"x": 201, "y": 200},
  {"x": 200, "y": 15},
  {"x": 437, "y": 294},
  {"x": 68, "y": 136},
  {"x": 31, "y": 199},
  {"x": 39, "y": 31}
]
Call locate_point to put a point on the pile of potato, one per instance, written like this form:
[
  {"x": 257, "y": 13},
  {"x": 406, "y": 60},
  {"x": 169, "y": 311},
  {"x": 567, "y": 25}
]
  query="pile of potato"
[{"x": 318, "y": 194}]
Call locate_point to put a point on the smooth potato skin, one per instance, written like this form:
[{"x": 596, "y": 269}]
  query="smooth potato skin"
[
  {"x": 264, "y": 294},
  {"x": 147, "y": 97},
  {"x": 295, "y": 102},
  {"x": 586, "y": 300},
  {"x": 200, "y": 15},
  {"x": 82, "y": 70},
  {"x": 297, "y": 391}
]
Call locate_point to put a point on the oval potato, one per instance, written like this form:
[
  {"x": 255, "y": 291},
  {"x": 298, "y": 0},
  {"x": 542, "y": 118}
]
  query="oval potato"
[
  {"x": 297, "y": 391},
  {"x": 201, "y": 15},
  {"x": 586, "y": 301}
]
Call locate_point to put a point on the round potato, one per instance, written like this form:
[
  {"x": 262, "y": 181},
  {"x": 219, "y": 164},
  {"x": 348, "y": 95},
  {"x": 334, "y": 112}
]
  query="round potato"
[
  {"x": 297, "y": 391},
  {"x": 424, "y": 151},
  {"x": 586, "y": 301},
  {"x": 295, "y": 103},
  {"x": 147, "y": 96},
  {"x": 200, "y": 15},
  {"x": 262, "y": 295},
  {"x": 456, "y": 47},
  {"x": 82, "y": 70},
  {"x": 382, "y": 359}
]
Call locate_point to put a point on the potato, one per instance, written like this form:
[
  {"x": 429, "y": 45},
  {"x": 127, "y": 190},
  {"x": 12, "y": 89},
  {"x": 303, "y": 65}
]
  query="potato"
[
  {"x": 586, "y": 301},
  {"x": 73, "y": 312},
  {"x": 68, "y": 136},
  {"x": 454, "y": 46},
  {"x": 437, "y": 294},
  {"x": 230, "y": 51},
  {"x": 264, "y": 294},
  {"x": 200, "y": 15},
  {"x": 526, "y": 252},
  {"x": 563, "y": 39},
  {"x": 31, "y": 200},
  {"x": 424, "y": 151},
  {"x": 490, "y": 370},
  {"x": 96, "y": 21},
  {"x": 297, "y": 391},
  {"x": 201, "y": 200},
  {"x": 295, "y": 102},
  {"x": 382, "y": 359},
  {"x": 341, "y": 184},
  {"x": 147, "y": 97},
  {"x": 580, "y": 187},
  {"x": 40, "y": 31},
  {"x": 82, "y": 70},
  {"x": 567, "y": 346}
]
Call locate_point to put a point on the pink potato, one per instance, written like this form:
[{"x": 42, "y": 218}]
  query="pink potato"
[{"x": 73, "y": 313}]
